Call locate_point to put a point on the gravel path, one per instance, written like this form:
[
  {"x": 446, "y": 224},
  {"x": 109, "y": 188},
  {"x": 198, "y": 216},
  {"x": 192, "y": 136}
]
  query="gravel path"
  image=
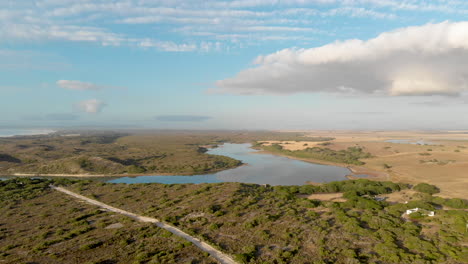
[{"x": 218, "y": 255}]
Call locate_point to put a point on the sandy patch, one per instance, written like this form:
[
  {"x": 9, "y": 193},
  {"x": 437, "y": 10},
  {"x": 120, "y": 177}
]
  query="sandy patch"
[
  {"x": 399, "y": 197},
  {"x": 293, "y": 145},
  {"x": 114, "y": 226},
  {"x": 333, "y": 197}
]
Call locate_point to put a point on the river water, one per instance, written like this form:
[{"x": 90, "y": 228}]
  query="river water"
[{"x": 260, "y": 168}]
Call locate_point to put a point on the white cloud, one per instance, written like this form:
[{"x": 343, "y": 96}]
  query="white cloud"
[
  {"x": 57, "y": 20},
  {"x": 167, "y": 45},
  {"x": 92, "y": 106},
  {"x": 273, "y": 29},
  {"x": 78, "y": 85},
  {"x": 24, "y": 32},
  {"x": 28, "y": 32},
  {"x": 100, "y": 21},
  {"x": 422, "y": 60},
  {"x": 358, "y": 12}
]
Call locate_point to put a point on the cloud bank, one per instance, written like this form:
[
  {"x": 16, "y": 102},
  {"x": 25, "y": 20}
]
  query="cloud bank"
[
  {"x": 421, "y": 60},
  {"x": 92, "y": 106}
]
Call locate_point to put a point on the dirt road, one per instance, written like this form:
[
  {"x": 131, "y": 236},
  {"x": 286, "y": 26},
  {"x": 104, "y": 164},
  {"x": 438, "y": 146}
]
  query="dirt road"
[{"x": 218, "y": 255}]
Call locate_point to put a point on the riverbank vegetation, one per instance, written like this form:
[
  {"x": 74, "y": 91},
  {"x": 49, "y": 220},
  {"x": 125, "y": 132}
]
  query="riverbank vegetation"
[{"x": 351, "y": 155}]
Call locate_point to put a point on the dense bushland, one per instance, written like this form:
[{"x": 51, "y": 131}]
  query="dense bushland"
[
  {"x": 39, "y": 225},
  {"x": 277, "y": 224}
]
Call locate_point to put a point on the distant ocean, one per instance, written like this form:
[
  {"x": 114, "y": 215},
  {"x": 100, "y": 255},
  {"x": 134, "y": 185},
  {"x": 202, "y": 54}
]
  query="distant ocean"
[{"x": 7, "y": 132}]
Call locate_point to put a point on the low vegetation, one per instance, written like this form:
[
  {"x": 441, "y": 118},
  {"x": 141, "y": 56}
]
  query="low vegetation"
[
  {"x": 351, "y": 155},
  {"x": 275, "y": 224},
  {"x": 39, "y": 225},
  {"x": 110, "y": 153},
  {"x": 255, "y": 224},
  {"x": 426, "y": 188}
]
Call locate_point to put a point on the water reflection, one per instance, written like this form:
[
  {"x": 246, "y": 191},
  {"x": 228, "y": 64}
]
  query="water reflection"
[{"x": 260, "y": 168}]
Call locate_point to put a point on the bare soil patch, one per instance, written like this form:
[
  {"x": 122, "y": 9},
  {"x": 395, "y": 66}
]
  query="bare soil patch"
[
  {"x": 399, "y": 197},
  {"x": 334, "y": 197}
]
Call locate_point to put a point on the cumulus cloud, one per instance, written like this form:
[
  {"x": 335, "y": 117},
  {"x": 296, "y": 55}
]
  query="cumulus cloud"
[
  {"x": 182, "y": 118},
  {"x": 92, "y": 106},
  {"x": 421, "y": 60}
]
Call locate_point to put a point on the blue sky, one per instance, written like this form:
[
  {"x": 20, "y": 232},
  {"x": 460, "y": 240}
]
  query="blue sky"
[{"x": 259, "y": 64}]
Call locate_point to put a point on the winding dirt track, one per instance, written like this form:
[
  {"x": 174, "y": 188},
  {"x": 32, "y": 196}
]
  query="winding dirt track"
[{"x": 218, "y": 255}]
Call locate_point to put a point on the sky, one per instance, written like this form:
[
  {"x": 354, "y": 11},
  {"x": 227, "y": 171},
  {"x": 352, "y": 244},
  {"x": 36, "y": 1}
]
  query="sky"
[{"x": 242, "y": 64}]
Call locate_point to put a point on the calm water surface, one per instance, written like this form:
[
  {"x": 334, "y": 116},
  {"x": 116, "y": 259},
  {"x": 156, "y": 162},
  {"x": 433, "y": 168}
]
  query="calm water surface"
[{"x": 261, "y": 169}]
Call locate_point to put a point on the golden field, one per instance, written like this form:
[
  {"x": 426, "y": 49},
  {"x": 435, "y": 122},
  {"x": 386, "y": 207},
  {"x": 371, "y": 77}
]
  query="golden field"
[{"x": 444, "y": 163}]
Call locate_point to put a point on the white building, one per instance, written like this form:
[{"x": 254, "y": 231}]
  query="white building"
[
  {"x": 423, "y": 212},
  {"x": 410, "y": 211}
]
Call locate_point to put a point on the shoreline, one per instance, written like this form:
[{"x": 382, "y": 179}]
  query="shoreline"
[
  {"x": 84, "y": 175},
  {"x": 355, "y": 170}
]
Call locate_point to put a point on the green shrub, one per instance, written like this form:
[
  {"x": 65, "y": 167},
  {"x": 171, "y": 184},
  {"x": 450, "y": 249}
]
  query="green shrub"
[
  {"x": 247, "y": 256},
  {"x": 214, "y": 226},
  {"x": 426, "y": 188},
  {"x": 456, "y": 203},
  {"x": 386, "y": 166},
  {"x": 91, "y": 245},
  {"x": 135, "y": 169}
]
